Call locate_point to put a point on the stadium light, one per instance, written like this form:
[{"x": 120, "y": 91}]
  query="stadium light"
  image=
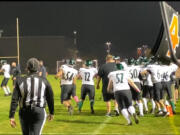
[
  {"x": 108, "y": 47},
  {"x": 75, "y": 38}
]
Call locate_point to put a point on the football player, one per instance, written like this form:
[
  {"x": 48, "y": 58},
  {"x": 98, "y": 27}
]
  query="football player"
[
  {"x": 147, "y": 87},
  {"x": 6, "y": 70},
  {"x": 87, "y": 74},
  {"x": 119, "y": 80},
  {"x": 134, "y": 70},
  {"x": 166, "y": 83},
  {"x": 68, "y": 75},
  {"x": 155, "y": 70}
]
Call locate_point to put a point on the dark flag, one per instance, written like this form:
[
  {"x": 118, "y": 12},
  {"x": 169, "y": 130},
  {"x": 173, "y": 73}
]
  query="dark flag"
[{"x": 167, "y": 44}]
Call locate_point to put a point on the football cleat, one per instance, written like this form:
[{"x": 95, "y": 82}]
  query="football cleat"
[
  {"x": 108, "y": 115},
  {"x": 70, "y": 110},
  {"x": 129, "y": 124},
  {"x": 92, "y": 111},
  {"x": 6, "y": 95},
  {"x": 116, "y": 112},
  {"x": 165, "y": 114},
  {"x": 136, "y": 118}
]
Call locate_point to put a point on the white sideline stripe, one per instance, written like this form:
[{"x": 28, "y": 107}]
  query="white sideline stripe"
[
  {"x": 102, "y": 126},
  {"x": 43, "y": 121}
]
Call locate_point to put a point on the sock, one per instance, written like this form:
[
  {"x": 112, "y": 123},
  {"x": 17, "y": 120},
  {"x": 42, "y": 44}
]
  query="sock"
[
  {"x": 141, "y": 108},
  {"x": 76, "y": 99},
  {"x": 131, "y": 110},
  {"x": 159, "y": 109},
  {"x": 80, "y": 105},
  {"x": 8, "y": 89},
  {"x": 145, "y": 104},
  {"x": 164, "y": 109},
  {"x": 172, "y": 105},
  {"x": 92, "y": 104},
  {"x": 5, "y": 91},
  {"x": 126, "y": 115},
  {"x": 167, "y": 103},
  {"x": 153, "y": 104}
]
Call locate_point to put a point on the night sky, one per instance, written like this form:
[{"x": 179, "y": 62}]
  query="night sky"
[{"x": 126, "y": 24}]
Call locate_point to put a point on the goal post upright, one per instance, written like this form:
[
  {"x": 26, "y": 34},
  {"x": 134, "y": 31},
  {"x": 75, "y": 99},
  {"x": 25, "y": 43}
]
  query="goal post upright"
[
  {"x": 17, "y": 44},
  {"x": 17, "y": 28}
]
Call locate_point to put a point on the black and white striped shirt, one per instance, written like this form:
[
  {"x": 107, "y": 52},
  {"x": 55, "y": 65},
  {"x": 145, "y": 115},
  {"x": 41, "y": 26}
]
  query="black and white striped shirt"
[{"x": 32, "y": 90}]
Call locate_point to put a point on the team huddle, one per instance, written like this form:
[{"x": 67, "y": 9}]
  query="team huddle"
[{"x": 131, "y": 83}]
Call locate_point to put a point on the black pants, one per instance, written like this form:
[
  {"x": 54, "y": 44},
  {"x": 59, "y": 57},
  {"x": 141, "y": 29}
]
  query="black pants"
[
  {"x": 87, "y": 90},
  {"x": 67, "y": 91},
  {"x": 123, "y": 98},
  {"x": 136, "y": 95},
  {"x": 167, "y": 89},
  {"x": 32, "y": 120},
  {"x": 148, "y": 92},
  {"x": 157, "y": 87},
  {"x": 4, "y": 82}
]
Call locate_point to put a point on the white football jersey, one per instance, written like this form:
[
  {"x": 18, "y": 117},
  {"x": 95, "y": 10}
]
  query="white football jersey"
[
  {"x": 134, "y": 72},
  {"x": 124, "y": 65},
  {"x": 68, "y": 74},
  {"x": 167, "y": 70},
  {"x": 6, "y": 68},
  {"x": 87, "y": 75},
  {"x": 120, "y": 80},
  {"x": 156, "y": 73},
  {"x": 147, "y": 78}
]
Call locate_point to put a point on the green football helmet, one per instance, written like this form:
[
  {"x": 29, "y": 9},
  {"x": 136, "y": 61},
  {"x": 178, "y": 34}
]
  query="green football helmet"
[
  {"x": 69, "y": 61},
  {"x": 131, "y": 61},
  {"x": 137, "y": 62},
  {"x": 119, "y": 66},
  {"x": 88, "y": 63},
  {"x": 72, "y": 62}
]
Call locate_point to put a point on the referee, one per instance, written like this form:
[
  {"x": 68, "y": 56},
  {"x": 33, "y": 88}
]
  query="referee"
[{"x": 32, "y": 92}]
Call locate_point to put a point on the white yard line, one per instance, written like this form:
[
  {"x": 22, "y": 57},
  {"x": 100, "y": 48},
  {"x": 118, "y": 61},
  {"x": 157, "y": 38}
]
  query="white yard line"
[{"x": 102, "y": 126}]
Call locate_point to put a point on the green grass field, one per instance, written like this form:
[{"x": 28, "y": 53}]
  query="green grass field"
[{"x": 88, "y": 124}]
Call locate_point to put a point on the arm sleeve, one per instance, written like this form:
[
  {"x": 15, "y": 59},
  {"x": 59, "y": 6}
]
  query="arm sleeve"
[
  {"x": 50, "y": 98},
  {"x": 14, "y": 101}
]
